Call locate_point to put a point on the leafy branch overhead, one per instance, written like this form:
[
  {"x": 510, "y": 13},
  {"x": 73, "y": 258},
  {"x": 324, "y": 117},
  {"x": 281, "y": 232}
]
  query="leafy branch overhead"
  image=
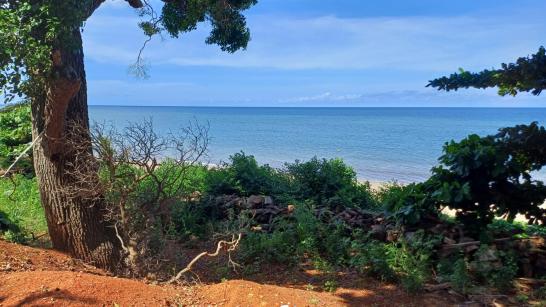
[
  {"x": 527, "y": 74},
  {"x": 31, "y": 30}
]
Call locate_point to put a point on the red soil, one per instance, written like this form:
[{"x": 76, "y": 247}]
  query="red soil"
[{"x": 39, "y": 277}]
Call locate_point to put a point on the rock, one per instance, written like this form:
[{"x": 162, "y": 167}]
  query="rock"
[
  {"x": 439, "y": 229},
  {"x": 268, "y": 200},
  {"x": 488, "y": 255},
  {"x": 233, "y": 202},
  {"x": 540, "y": 265},
  {"x": 378, "y": 232},
  {"x": 254, "y": 201}
]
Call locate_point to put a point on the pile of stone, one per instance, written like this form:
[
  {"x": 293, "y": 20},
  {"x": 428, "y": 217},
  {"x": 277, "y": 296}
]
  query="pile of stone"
[{"x": 531, "y": 251}]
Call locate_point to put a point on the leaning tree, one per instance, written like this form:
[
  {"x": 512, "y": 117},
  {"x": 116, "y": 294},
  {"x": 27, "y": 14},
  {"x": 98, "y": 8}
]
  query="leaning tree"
[{"x": 41, "y": 59}]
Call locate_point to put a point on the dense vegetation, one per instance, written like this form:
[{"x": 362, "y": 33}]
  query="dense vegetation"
[
  {"x": 15, "y": 136},
  {"x": 317, "y": 213}
]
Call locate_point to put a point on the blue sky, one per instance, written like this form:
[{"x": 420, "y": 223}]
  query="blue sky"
[{"x": 318, "y": 53}]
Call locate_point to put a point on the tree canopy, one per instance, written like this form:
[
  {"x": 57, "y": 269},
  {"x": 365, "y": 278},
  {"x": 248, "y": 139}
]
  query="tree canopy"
[
  {"x": 527, "y": 74},
  {"x": 30, "y": 30}
]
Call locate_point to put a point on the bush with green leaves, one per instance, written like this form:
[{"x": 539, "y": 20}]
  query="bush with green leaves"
[
  {"x": 371, "y": 257},
  {"x": 302, "y": 235},
  {"x": 392, "y": 262},
  {"x": 15, "y": 137},
  {"x": 460, "y": 276},
  {"x": 330, "y": 183},
  {"x": 487, "y": 177},
  {"x": 497, "y": 268},
  {"x": 242, "y": 175},
  {"x": 407, "y": 204},
  {"x": 21, "y": 214}
]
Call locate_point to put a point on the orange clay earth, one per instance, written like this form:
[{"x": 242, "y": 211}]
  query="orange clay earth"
[{"x": 41, "y": 277}]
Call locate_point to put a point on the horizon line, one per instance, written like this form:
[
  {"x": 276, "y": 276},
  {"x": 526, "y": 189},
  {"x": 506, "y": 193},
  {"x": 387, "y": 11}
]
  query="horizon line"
[{"x": 324, "y": 107}]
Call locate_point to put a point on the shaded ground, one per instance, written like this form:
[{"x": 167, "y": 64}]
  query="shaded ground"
[{"x": 39, "y": 277}]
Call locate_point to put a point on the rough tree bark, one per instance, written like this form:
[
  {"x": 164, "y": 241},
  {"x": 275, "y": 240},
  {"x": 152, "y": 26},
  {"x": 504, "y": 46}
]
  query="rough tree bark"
[{"x": 75, "y": 224}]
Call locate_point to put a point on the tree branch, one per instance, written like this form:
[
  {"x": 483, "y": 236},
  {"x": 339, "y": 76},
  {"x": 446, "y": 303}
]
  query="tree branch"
[{"x": 231, "y": 247}]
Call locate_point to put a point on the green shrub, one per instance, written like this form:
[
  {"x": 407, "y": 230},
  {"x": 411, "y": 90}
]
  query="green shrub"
[
  {"x": 372, "y": 258},
  {"x": 494, "y": 267},
  {"x": 460, "y": 276},
  {"x": 219, "y": 181},
  {"x": 20, "y": 204},
  {"x": 189, "y": 219},
  {"x": 410, "y": 266},
  {"x": 330, "y": 286},
  {"x": 15, "y": 236},
  {"x": 301, "y": 236},
  {"x": 276, "y": 247},
  {"x": 15, "y": 136},
  {"x": 407, "y": 204},
  {"x": 392, "y": 262},
  {"x": 243, "y": 176},
  {"x": 484, "y": 177},
  {"x": 503, "y": 277},
  {"x": 329, "y": 183}
]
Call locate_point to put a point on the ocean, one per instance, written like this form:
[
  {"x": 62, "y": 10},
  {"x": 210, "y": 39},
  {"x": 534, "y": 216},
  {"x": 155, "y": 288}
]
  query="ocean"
[{"x": 381, "y": 144}]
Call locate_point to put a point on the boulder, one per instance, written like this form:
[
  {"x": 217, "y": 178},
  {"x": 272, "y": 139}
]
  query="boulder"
[{"x": 254, "y": 201}]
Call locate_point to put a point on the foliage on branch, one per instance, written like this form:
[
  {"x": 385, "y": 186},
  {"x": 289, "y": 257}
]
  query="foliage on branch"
[
  {"x": 484, "y": 177},
  {"x": 31, "y": 30},
  {"x": 527, "y": 74},
  {"x": 229, "y": 29},
  {"x": 15, "y": 136}
]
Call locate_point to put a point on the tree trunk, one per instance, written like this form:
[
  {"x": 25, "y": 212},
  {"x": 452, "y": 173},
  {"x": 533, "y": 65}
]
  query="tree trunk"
[{"x": 76, "y": 224}]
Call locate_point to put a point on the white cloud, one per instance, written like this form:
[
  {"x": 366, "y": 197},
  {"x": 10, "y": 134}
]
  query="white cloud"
[
  {"x": 421, "y": 98},
  {"x": 329, "y": 42}
]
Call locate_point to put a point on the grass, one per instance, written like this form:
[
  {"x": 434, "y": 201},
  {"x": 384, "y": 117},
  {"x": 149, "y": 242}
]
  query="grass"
[{"x": 20, "y": 202}]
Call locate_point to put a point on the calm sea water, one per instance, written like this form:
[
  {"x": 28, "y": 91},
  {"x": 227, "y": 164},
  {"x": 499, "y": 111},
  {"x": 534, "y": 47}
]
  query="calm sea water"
[{"x": 380, "y": 143}]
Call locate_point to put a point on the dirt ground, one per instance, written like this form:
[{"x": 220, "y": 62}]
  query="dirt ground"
[{"x": 41, "y": 277}]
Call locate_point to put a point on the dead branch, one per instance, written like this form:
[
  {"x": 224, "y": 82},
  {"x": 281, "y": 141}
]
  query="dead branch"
[
  {"x": 230, "y": 246},
  {"x": 465, "y": 244},
  {"x": 140, "y": 174},
  {"x": 438, "y": 287}
]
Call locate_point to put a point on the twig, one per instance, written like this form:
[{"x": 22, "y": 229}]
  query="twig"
[{"x": 232, "y": 246}]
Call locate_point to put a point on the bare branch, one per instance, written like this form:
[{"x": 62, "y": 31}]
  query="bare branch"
[{"x": 230, "y": 246}]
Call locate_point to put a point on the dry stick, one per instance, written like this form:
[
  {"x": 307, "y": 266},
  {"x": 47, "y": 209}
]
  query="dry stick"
[
  {"x": 120, "y": 239},
  {"x": 464, "y": 244},
  {"x": 232, "y": 245}
]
